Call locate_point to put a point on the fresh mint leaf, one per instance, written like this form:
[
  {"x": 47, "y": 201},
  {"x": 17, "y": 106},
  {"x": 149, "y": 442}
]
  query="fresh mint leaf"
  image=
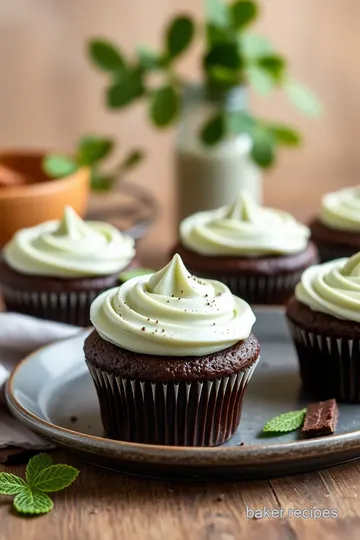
[
  {"x": 224, "y": 55},
  {"x": 105, "y": 55},
  {"x": 10, "y": 484},
  {"x": 31, "y": 501},
  {"x": 217, "y": 12},
  {"x": 36, "y": 465},
  {"x": 253, "y": 46},
  {"x": 133, "y": 158},
  {"x": 58, "y": 165},
  {"x": 274, "y": 64},
  {"x": 129, "y": 274},
  {"x": 213, "y": 130},
  {"x": 260, "y": 79},
  {"x": 240, "y": 122},
  {"x": 285, "y": 422},
  {"x": 100, "y": 182},
  {"x": 216, "y": 34},
  {"x": 125, "y": 90},
  {"x": 242, "y": 13},
  {"x": 42, "y": 476},
  {"x": 285, "y": 135},
  {"x": 164, "y": 106},
  {"x": 263, "y": 149},
  {"x": 55, "y": 478},
  {"x": 150, "y": 60},
  {"x": 179, "y": 35},
  {"x": 223, "y": 76},
  {"x": 303, "y": 98},
  {"x": 93, "y": 148}
]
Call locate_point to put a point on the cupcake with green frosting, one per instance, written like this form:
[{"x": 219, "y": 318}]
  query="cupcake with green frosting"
[
  {"x": 171, "y": 356},
  {"x": 336, "y": 231},
  {"x": 324, "y": 318},
  {"x": 55, "y": 270},
  {"x": 259, "y": 253}
]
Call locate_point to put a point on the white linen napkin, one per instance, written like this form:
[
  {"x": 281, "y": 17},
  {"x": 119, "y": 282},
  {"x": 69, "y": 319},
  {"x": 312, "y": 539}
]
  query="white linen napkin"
[{"x": 19, "y": 336}]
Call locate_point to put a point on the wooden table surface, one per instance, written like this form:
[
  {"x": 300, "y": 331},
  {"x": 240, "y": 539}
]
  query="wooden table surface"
[{"x": 104, "y": 505}]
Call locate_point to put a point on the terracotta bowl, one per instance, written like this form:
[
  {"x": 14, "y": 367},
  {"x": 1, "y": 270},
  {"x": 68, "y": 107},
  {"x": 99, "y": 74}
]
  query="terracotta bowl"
[{"x": 28, "y": 197}]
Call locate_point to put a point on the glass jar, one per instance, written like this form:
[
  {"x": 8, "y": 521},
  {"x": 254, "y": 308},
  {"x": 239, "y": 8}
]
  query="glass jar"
[{"x": 210, "y": 177}]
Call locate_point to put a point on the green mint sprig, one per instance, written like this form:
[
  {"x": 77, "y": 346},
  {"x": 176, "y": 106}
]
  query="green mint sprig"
[
  {"x": 42, "y": 477},
  {"x": 286, "y": 422},
  {"x": 91, "y": 151}
]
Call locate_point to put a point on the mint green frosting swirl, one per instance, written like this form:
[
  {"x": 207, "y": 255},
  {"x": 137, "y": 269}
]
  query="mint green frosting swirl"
[
  {"x": 341, "y": 209},
  {"x": 69, "y": 248},
  {"x": 333, "y": 288},
  {"x": 244, "y": 229},
  {"x": 172, "y": 313}
]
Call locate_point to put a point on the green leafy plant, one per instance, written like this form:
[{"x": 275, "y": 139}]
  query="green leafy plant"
[
  {"x": 42, "y": 477},
  {"x": 91, "y": 151},
  {"x": 232, "y": 56},
  {"x": 286, "y": 422},
  {"x": 136, "y": 272}
]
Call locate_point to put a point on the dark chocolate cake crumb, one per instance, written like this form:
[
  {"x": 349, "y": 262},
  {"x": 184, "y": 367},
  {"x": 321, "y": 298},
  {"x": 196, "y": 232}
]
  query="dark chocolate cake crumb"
[
  {"x": 119, "y": 361},
  {"x": 268, "y": 265},
  {"x": 320, "y": 419}
]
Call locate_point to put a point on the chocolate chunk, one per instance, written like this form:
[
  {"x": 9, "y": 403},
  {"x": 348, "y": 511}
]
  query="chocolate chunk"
[{"x": 320, "y": 419}]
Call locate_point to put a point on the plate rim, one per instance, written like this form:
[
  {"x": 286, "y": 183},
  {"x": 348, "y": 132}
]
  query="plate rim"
[{"x": 247, "y": 455}]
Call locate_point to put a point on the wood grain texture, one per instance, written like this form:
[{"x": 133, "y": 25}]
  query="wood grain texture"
[
  {"x": 107, "y": 505},
  {"x": 51, "y": 94}
]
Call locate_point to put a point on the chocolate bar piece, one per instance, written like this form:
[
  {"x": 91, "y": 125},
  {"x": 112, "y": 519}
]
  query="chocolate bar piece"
[{"x": 320, "y": 419}]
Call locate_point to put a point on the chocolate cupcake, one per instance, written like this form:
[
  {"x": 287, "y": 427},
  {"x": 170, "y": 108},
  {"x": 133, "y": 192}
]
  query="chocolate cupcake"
[
  {"x": 259, "y": 253},
  {"x": 336, "y": 231},
  {"x": 324, "y": 319},
  {"x": 56, "y": 269},
  {"x": 171, "y": 356}
]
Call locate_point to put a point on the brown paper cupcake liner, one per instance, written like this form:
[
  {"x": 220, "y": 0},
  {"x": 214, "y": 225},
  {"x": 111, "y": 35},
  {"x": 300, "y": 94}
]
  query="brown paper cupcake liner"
[
  {"x": 275, "y": 289},
  {"x": 67, "y": 307},
  {"x": 203, "y": 413},
  {"x": 329, "y": 366}
]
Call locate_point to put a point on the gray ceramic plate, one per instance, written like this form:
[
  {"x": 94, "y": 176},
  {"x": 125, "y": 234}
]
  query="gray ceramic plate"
[{"x": 51, "y": 392}]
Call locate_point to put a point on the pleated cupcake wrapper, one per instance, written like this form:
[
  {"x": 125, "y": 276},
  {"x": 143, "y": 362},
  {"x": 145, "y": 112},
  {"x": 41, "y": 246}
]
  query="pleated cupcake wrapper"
[
  {"x": 185, "y": 414},
  {"x": 67, "y": 307},
  {"x": 274, "y": 289},
  {"x": 329, "y": 366}
]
